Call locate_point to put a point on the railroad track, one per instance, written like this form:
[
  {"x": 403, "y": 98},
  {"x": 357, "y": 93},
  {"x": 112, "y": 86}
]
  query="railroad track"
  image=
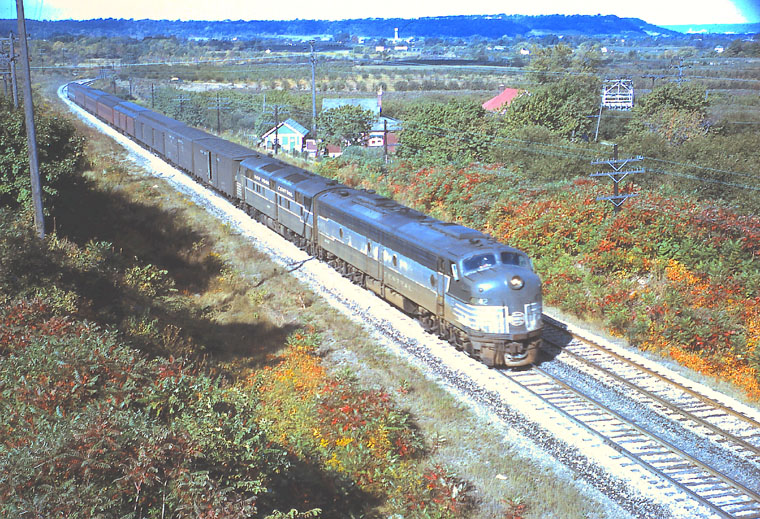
[
  {"x": 728, "y": 489},
  {"x": 731, "y": 428},
  {"x": 720, "y": 493}
]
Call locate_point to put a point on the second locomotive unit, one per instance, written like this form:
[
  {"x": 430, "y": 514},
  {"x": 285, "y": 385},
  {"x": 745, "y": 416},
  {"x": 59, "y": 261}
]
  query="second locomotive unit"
[{"x": 482, "y": 296}]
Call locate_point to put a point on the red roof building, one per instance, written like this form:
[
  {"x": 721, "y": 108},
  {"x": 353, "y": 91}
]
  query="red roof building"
[{"x": 503, "y": 100}]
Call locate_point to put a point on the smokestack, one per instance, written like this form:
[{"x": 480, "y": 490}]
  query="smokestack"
[
  {"x": 380, "y": 99},
  {"x": 395, "y": 34}
]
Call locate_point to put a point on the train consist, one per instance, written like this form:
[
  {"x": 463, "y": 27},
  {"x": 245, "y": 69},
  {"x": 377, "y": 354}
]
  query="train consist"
[{"x": 480, "y": 295}]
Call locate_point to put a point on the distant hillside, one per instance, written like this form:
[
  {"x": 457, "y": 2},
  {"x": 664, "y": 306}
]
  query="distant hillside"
[
  {"x": 442, "y": 27},
  {"x": 717, "y": 28}
]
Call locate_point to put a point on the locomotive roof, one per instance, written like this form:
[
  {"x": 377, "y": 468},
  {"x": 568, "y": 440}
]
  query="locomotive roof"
[
  {"x": 444, "y": 239},
  {"x": 293, "y": 177}
]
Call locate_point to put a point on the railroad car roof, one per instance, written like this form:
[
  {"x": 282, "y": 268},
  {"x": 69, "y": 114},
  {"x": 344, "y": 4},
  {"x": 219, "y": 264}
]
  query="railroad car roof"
[
  {"x": 109, "y": 100},
  {"x": 130, "y": 108},
  {"x": 94, "y": 94},
  {"x": 303, "y": 181},
  {"x": 226, "y": 148},
  {"x": 159, "y": 120},
  {"x": 189, "y": 132}
]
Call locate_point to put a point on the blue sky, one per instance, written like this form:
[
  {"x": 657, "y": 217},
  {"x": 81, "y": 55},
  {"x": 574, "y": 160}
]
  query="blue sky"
[{"x": 660, "y": 12}]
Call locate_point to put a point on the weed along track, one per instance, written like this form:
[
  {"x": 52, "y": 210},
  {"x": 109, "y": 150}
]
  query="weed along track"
[{"x": 571, "y": 451}]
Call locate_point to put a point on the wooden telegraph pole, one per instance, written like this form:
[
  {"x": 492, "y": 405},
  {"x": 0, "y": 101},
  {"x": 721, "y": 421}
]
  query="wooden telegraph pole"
[
  {"x": 31, "y": 134},
  {"x": 14, "y": 84},
  {"x": 313, "y": 60}
]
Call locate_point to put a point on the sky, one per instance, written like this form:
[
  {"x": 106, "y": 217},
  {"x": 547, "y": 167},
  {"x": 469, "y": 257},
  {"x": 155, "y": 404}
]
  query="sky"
[{"x": 658, "y": 12}]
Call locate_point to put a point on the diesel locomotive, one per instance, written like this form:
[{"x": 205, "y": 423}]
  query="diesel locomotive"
[{"x": 482, "y": 296}]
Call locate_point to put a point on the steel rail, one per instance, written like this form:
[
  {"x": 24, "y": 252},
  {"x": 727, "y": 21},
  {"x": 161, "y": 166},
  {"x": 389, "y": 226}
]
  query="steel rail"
[
  {"x": 665, "y": 403},
  {"x": 629, "y": 454},
  {"x": 707, "y": 400}
]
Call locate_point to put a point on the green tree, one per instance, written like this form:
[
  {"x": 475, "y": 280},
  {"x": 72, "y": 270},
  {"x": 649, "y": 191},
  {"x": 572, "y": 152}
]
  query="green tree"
[
  {"x": 549, "y": 63},
  {"x": 562, "y": 107},
  {"x": 347, "y": 124},
  {"x": 60, "y": 152},
  {"x": 675, "y": 111},
  {"x": 457, "y": 131}
]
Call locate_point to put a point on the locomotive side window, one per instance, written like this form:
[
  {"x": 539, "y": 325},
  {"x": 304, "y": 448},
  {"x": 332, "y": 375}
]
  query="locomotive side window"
[
  {"x": 513, "y": 258},
  {"x": 478, "y": 262}
]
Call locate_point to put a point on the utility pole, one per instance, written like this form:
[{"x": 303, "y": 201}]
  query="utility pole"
[
  {"x": 181, "y": 100},
  {"x": 313, "y": 60},
  {"x": 8, "y": 59},
  {"x": 221, "y": 102},
  {"x": 152, "y": 95},
  {"x": 276, "y": 129},
  {"x": 385, "y": 140},
  {"x": 14, "y": 83},
  {"x": 31, "y": 134},
  {"x": 617, "y": 176}
]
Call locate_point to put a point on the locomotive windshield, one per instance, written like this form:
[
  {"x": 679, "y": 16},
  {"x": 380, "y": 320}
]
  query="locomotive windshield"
[
  {"x": 478, "y": 262},
  {"x": 513, "y": 258},
  {"x": 488, "y": 260}
]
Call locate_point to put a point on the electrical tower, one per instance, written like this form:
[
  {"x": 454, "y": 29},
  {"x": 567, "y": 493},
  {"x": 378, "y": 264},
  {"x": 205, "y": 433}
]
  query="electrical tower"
[
  {"x": 617, "y": 94},
  {"x": 617, "y": 176}
]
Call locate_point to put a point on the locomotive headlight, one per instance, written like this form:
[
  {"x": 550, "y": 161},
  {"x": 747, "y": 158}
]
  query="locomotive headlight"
[{"x": 516, "y": 283}]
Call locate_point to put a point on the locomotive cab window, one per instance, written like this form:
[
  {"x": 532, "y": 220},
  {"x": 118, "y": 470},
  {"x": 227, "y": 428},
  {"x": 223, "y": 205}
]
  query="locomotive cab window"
[
  {"x": 513, "y": 258},
  {"x": 478, "y": 262}
]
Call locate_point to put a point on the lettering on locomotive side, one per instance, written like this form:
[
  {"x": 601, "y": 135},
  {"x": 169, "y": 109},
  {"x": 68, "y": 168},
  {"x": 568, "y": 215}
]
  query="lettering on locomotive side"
[{"x": 284, "y": 191}]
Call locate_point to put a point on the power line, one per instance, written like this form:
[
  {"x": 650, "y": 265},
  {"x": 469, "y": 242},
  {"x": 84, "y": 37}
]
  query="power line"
[
  {"x": 702, "y": 179},
  {"x": 706, "y": 168}
]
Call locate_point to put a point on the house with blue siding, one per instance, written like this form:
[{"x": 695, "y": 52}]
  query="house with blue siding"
[{"x": 290, "y": 135}]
